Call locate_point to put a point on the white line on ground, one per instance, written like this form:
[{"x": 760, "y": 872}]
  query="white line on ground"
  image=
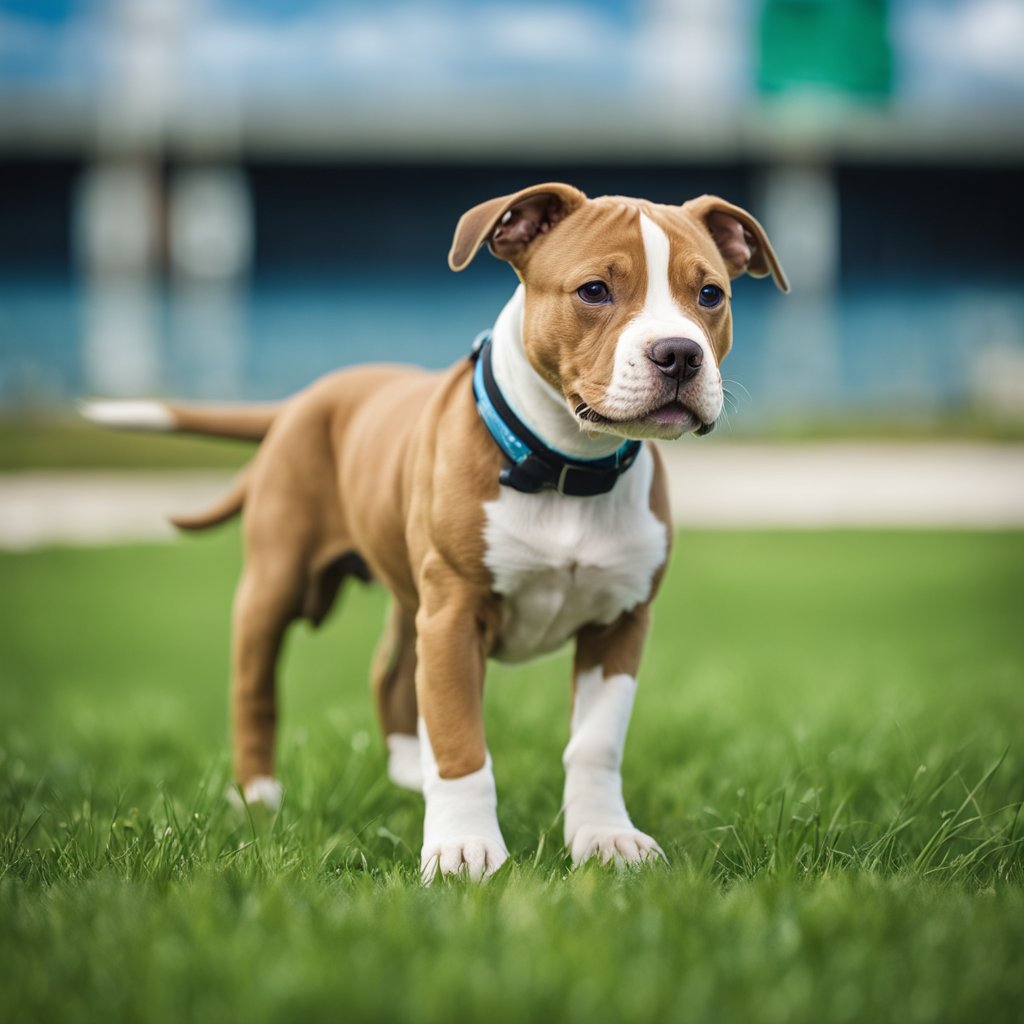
[
  {"x": 716, "y": 485},
  {"x": 42, "y": 508},
  {"x": 847, "y": 484}
]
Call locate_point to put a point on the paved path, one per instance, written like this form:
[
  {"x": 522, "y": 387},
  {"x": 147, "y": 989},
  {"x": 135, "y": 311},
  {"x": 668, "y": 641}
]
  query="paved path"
[
  {"x": 848, "y": 484},
  {"x": 38, "y": 508},
  {"x": 713, "y": 484}
]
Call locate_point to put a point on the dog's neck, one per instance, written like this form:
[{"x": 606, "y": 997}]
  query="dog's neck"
[{"x": 532, "y": 398}]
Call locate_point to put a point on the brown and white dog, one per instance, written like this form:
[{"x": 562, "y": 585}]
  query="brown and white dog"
[{"x": 616, "y": 332}]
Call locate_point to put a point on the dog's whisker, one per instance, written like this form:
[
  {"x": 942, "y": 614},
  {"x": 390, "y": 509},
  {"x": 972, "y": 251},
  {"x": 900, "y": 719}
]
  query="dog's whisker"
[
  {"x": 585, "y": 413},
  {"x": 738, "y": 384}
]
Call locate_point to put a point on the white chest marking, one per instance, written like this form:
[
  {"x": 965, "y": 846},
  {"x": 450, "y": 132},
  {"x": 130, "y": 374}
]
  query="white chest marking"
[{"x": 561, "y": 563}]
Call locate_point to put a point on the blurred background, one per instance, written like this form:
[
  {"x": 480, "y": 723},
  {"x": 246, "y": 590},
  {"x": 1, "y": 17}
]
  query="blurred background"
[{"x": 226, "y": 198}]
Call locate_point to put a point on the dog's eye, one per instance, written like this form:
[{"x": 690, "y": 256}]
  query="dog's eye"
[
  {"x": 710, "y": 296},
  {"x": 594, "y": 293}
]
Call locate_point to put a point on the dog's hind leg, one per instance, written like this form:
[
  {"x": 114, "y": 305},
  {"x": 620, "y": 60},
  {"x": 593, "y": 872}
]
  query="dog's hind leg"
[
  {"x": 394, "y": 690},
  {"x": 267, "y": 600}
]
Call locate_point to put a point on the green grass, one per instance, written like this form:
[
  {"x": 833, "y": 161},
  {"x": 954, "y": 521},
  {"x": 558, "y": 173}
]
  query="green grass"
[
  {"x": 827, "y": 742},
  {"x": 66, "y": 443}
]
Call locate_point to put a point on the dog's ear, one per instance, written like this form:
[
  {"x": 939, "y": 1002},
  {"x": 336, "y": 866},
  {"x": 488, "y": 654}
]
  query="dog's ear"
[
  {"x": 510, "y": 223},
  {"x": 740, "y": 239}
]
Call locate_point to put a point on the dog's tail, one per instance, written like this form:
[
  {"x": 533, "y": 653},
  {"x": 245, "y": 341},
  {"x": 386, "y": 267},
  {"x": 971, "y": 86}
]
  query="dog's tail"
[
  {"x": 241, "y": 422},
  {"x": 222, "y": 510}
]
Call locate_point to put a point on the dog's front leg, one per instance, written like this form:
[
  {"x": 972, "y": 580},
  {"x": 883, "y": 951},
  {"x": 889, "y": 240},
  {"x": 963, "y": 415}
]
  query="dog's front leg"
[
  {"x": 597, "y": 823},
  {"x": 460, "y": 822}
]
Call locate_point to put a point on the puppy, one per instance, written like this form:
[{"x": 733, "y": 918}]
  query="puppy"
[{"x": 509, "y": 504}]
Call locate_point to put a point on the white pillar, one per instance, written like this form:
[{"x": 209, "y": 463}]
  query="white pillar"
[
  {"x": 119, "y": 203},
  {"x": 211, "y": 244},
  {"x": 799, "y": 207},
  {"x": 117, "y": 240}
]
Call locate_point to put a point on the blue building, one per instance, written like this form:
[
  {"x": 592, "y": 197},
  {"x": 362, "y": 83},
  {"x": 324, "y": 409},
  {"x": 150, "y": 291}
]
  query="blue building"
[{"x": 220, "y": 198}]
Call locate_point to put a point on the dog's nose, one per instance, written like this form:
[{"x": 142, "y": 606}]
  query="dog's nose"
[{"x": 679, "y": 358}]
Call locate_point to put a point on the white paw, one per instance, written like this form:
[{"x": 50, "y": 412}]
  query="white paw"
[
  {"x": 618, "y": 846},
  {"x": 475, "y": 856},
  {"x": 404, "y": 761},
  {"x": 261, "y": 791}
]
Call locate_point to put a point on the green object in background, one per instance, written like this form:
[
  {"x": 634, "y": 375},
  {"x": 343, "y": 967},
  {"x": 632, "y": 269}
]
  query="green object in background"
[{"x": 835, "y": 45}]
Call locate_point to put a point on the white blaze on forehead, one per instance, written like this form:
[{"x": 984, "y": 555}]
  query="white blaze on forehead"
[
  {"x": 662, "y": 316},
  {"x": 659, "y": 302},
  {"x": 635, "y": 383}
]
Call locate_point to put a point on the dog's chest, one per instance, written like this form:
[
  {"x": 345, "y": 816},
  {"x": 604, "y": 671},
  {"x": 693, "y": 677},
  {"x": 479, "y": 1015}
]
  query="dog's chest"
[{"x": 560, "y": 563}]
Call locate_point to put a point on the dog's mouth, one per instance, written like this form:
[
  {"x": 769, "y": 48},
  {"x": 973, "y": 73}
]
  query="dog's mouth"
[{"x": 671, "y": 420}]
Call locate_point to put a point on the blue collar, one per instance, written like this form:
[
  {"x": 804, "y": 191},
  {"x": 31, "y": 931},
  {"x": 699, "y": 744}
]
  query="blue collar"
[{"x": 533, "y": 465}]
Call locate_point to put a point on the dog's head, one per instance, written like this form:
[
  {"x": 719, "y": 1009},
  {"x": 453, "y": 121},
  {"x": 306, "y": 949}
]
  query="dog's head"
[{"x": 627, "y": 308}]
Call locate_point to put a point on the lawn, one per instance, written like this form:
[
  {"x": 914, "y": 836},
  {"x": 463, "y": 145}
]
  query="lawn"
[{"x": 827, "y": 743}]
